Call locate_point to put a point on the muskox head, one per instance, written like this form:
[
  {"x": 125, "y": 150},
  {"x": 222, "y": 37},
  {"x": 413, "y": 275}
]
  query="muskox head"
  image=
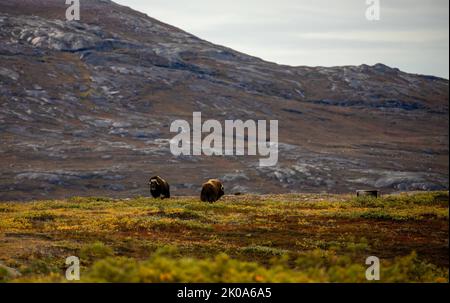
[
  {"x": 221, "y": 191},
  {"x": 154, "y": 185}
]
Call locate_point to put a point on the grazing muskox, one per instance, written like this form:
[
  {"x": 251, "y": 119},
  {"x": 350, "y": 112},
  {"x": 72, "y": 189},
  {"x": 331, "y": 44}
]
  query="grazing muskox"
[
  {"x": 159, "y": 187},
  {"x": 212, "y": 191}
]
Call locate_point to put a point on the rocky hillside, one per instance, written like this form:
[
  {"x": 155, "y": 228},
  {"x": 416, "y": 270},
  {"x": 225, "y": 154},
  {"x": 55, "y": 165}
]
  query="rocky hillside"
[{"x": 86, "y": 108}]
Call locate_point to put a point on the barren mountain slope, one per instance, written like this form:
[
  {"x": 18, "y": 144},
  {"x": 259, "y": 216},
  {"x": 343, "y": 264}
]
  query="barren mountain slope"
[{"x": 86, "y": 108}]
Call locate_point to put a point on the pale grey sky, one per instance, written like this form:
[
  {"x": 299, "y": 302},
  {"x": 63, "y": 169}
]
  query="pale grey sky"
[{"x": 412, "y": 35}]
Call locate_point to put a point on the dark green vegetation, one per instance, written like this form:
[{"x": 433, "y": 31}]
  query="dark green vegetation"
[{"x": 274, "y": 238}]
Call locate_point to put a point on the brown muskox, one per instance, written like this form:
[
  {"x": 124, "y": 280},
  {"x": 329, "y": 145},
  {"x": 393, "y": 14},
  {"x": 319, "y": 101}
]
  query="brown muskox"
[
  {"x": 212, "y": 191},
  {"x": 159, "y": 187}
]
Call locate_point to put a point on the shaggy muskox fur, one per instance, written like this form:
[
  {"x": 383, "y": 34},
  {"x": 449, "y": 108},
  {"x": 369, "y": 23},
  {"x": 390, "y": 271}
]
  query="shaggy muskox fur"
[
  {"x": 212, "y": 191},
  {"x": 159, "y": 187}
]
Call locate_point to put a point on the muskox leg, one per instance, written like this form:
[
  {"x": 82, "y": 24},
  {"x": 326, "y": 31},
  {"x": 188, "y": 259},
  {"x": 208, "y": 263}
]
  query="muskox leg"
[
  {"x": 207, "y": 195},
  {"x": 155, "y": 194},
  {"x": 203, "y": 196},
  {"x": 165, "y": 192},
  {"x": 213, "y": 198},
  {"x": 168, "y": 192}
]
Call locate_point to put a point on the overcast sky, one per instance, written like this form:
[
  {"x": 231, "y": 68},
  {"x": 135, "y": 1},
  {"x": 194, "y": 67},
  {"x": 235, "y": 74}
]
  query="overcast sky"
[{"x": 412, "y": 35}]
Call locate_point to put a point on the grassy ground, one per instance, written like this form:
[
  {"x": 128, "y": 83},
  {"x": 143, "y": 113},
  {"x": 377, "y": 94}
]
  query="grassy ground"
[{"x": 282, "y": 238}]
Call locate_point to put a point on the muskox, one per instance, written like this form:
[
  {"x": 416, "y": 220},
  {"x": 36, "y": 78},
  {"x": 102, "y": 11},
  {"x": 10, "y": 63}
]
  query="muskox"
[
  {"x": 159, "y": 187},
  {"x": 212, "y": 191}
]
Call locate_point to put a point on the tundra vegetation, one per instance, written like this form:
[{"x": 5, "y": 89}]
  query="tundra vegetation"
[{"x": 273, "y": 238}]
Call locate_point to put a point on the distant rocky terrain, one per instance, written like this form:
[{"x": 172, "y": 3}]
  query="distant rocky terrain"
[{"x": 86, "y": 108}]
